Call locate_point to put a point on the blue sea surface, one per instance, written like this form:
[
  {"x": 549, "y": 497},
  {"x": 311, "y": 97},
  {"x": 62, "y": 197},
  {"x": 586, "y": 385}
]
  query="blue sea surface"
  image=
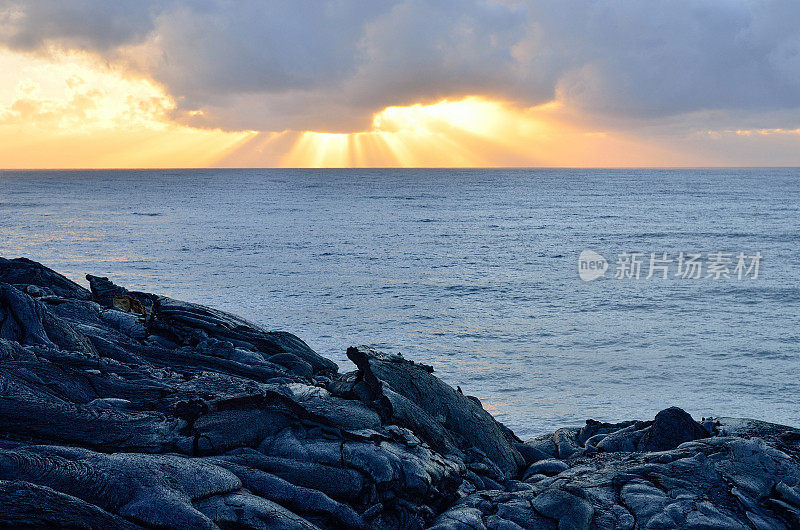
[{"x": 472, "y": 271}]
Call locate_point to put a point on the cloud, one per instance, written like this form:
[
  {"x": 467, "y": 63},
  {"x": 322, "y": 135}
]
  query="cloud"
[
  {"x": 329, "y": 65},
  {"x": 84, "y": 24},
  {"x": 70, "y": 94},
  {"x": 670, "y": 57}
]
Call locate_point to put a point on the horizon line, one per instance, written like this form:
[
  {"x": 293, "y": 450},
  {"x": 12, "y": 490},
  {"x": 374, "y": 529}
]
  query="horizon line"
[{"x": 363, "y": 168}]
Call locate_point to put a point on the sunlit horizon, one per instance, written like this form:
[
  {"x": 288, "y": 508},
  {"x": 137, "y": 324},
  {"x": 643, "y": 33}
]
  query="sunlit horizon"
[{"x": 67, "y": 110}]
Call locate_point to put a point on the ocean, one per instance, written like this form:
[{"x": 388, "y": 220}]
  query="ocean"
[{"x": 475, "y": 272}]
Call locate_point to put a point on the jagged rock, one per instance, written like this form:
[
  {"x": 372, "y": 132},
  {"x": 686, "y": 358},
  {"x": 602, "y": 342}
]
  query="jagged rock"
[
  {"x": 26, "y": 272},
  {"x": 157, "y": 413},
  {"x": 717, "y": 482},
  {"x": 130, "y": 304},
  {"x": 530, "y": 453},
  {"x": 26, "y": 505},
  {"x": 313, "y": 504},
  {"x": 461, "y": 418},
  {"x": 670, "y": 428},
  {"x": 34, "y": 290},
  {"x": 397, "y": 474},
  {"x": 154, "y": 490},
  {"x": 571, "y": 511},
  {"x": 104, "y": 291},
  {"x": 248, "y": 511},
  {"x": 293, "y": 363},
  {"x": 127, "y": 323},
  {"x": 38, "y": 415},
  {"x": 30, "y": 322},
  {"x": 21, "y": 318},
  {"x": 185, "y": 317},
  {"x": 339, "y": 483}
]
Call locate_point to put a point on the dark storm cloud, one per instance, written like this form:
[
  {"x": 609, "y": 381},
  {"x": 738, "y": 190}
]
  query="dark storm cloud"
[{"x": 327, "y": 65}]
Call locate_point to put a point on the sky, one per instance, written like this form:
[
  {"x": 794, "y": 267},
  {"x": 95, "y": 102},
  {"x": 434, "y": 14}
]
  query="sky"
[{"x": 410, "y": 83}]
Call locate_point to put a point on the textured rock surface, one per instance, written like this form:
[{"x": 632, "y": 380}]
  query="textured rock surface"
[{"x": 123, "y": 409}]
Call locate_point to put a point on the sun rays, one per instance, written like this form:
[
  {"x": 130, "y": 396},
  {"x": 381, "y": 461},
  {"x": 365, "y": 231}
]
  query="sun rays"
[
  {"x": 67, "y": 110},
  {"x": 435, "y": 135},
  {"x": 470, "y": 132}
]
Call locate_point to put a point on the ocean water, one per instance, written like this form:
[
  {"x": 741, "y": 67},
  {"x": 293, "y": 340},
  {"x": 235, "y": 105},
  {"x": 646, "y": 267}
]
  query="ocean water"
[{"x": 472, "y": 271}]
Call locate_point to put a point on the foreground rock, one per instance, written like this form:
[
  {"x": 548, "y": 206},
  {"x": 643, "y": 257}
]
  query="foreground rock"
[{"x": 123, "y": 409}]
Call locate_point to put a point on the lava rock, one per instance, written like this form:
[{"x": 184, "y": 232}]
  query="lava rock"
[
  {"x": 123, "y": 409},
  {"x": 547, "y": 467},
  {"x": 461, "y": 417},
  {"x": 670, "y": 428},
  {"x": 27, "y": 272}
]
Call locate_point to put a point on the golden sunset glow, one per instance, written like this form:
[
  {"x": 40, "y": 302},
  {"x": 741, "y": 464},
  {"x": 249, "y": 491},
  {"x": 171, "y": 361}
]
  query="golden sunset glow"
[
  {"x": 400, "y": 84},
  {"x": 68, "y": 110},
  {"x": 472, "y": 132}
]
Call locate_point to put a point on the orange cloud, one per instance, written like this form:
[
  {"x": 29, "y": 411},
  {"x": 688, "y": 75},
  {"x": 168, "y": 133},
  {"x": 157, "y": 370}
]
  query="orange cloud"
[
  {"x": 68, "y": 111},
  {"x": 475, "y": 132}
]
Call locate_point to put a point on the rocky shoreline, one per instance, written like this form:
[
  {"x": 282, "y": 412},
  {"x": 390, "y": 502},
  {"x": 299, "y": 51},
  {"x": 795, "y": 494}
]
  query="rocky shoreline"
[{"x": 124, "y": 409}]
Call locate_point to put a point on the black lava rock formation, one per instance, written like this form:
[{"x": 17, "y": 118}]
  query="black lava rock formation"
[{"x": 124, "y": 409}]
